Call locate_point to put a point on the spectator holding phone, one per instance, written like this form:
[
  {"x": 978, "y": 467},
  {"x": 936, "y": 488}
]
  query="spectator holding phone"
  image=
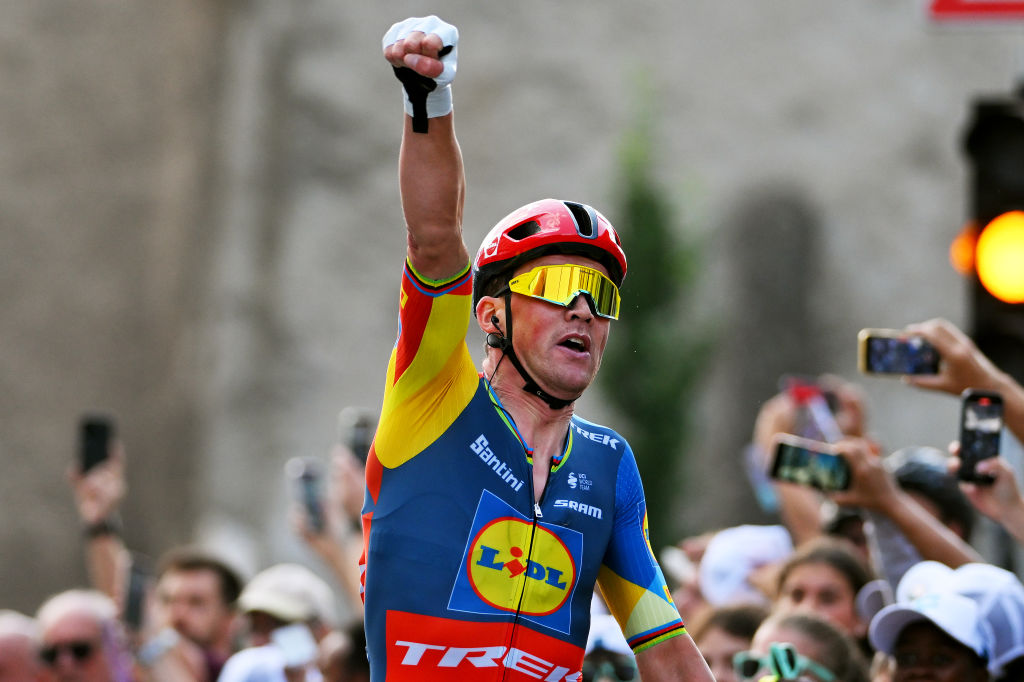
[
  {"x": 875, "y": 489},
  {"x": 964, "y": 366},
  {"x": 1001, "y": 500},
  {"x": 827, "y": 409},
  {"x": 338, "y": 541},
  {"x": 194, "y": 590}
]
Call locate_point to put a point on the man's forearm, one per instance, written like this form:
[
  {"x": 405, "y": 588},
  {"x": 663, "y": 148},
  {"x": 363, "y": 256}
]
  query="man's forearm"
[
  {"x": 932, "y": 539},
  {"x": 432, "y": 183}
]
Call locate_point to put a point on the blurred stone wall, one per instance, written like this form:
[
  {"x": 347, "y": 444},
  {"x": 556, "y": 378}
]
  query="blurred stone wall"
[{"x": 202, "y": 233}]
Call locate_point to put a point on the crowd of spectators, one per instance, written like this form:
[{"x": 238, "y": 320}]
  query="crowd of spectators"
[{"x": 876, "y": 582}]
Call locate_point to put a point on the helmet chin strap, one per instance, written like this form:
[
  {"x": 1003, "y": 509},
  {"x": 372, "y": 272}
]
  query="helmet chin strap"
[{"x": 531, "y": 386}]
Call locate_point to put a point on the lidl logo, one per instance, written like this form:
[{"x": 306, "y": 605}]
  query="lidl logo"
[
  {"x": 500, "y": 570},
  {"x": 512, "y": 564}
]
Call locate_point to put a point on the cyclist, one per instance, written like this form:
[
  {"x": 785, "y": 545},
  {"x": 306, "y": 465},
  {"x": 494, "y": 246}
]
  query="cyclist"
[{"x": 491, "y": 509}]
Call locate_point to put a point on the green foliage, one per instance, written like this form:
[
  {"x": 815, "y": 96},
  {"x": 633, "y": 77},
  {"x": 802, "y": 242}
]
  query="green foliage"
[{"x": 655, "y": 360}]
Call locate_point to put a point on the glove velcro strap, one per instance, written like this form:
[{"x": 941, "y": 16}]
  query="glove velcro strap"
[{"x": 417, "y": 88}]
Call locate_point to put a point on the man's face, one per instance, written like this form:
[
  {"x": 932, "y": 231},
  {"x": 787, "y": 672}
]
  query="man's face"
[
  {"x": 923, "y": 652},
  {"x": 19, "y": 661},
  {"x": 74, "y": 650},
  {"x": 560, "y": 347},
  {"x": 191, "y": 602}
]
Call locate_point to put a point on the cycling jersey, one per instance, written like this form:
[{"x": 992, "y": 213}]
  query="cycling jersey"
[{"x": 465, "y": 576}]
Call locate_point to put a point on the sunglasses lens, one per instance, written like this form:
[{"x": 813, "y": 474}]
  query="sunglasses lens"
[
  {"x": 561, "y": 284},
  {"x": 80, "y": 651},
  {"x": 746, "y": 665}
]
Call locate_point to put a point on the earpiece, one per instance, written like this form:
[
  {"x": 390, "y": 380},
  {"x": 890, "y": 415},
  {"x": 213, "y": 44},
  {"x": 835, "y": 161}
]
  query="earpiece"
[{"x": 496, "y": 339}]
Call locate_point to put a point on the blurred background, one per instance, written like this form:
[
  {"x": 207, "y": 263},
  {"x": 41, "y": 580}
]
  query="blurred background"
[{"x": 202, "y": 233}]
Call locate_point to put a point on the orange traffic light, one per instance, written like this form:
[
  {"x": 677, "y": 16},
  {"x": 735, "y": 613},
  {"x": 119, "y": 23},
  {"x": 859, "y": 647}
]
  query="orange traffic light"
[{"x": 999, "y": 257}]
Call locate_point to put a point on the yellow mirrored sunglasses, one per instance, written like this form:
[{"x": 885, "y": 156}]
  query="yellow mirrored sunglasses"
[{"x": 561, "y": 284}]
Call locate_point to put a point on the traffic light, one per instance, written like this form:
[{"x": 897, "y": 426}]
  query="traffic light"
[{"x": 991, "y": 248}]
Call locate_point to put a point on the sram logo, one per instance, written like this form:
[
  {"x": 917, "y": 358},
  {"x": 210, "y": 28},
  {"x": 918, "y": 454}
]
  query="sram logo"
[{"x": 588, "y": 509}]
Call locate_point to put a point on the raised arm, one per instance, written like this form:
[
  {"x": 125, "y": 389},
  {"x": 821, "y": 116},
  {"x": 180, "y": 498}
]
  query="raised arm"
[
  {"x": 423, "y": 51},
  {"x": 965, "y": 366},
  {"x": 875, "y": 489}
]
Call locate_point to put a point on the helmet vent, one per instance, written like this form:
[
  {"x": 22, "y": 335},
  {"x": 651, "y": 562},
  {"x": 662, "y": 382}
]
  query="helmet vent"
[
  {"x": 520, "y": 232},
  {"x": 585, "y": 217}
]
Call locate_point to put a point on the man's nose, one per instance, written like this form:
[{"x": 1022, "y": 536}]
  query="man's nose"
[{"x": 581, "y": 306}]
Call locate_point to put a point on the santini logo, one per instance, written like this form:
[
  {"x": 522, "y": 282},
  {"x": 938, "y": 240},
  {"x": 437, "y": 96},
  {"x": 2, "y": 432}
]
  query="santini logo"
[
  {"x": 481, "y": 446},
  {"x": 588, "y": 509}
]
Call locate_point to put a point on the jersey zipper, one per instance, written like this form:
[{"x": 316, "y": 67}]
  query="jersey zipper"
[{"x": 537, "y": 514}]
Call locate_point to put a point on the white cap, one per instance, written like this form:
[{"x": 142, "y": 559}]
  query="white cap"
[
  {"x": 997, "y": 592},
  {"x": 733, "y": 554},
  {"x": 290, "y": 592},
  {"x": 1000, "y": 598},
  {"x": 954, "y": 614}
]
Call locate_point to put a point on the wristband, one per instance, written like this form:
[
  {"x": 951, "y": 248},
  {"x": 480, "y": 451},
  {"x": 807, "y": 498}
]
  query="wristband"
[
  {"x": 427, "y": 98},
  {"x": 102, "y": 528}
]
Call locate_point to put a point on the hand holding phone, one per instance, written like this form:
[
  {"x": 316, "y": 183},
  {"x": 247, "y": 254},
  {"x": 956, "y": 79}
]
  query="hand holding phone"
[
  {"x": 981, "y": 425},
  {"x": 891, "y": 351},
  {"x": 808, "y": 462},
  {"x": 95, "y": 435},
  {"x": 306, "y": 475},
  {"x": 356, "y": 430}
]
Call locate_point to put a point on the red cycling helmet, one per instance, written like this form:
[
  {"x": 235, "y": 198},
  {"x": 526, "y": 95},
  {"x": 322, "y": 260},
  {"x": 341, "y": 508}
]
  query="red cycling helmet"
[{"x": 544, "y": 227}]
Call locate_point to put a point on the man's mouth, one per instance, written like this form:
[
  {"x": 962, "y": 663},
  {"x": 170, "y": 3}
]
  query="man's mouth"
[{"x": 575, "y": 343}]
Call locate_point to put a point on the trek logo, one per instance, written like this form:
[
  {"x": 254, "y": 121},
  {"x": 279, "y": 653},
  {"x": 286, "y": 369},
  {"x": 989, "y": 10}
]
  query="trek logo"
[
  {"x": 586, "y": 509},
  {"x": 432, "y": 649},
  {"x": 513, "y": 565},
  {"x": 603, "y": 438},
  {"x": 511, "y": 658},
  {"x": 481, "y": 446}
]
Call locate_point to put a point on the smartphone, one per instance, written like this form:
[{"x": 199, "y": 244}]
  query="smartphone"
[
  {"x": 981, "y": 425},
  {"x": 95, "y": 432},
  {"x": 355, "y": 430},
  {"x": 306, "y": 475},
  {"x": 808, "y": 462},
  {"x": 818, "y": 407},
  {"x": 136, "y": 592},
  {"x": 891, "y": 351}
]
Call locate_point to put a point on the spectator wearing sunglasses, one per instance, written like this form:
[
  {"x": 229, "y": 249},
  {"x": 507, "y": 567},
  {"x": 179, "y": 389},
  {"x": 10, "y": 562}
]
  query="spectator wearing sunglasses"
[
  {"x": 801, "y": 646},
  {"x": 492, "y": 510},
  {"x": 19, "y": 647},
  {"x": 722, "y": 632},
  {"x": 81, "y": 639}
]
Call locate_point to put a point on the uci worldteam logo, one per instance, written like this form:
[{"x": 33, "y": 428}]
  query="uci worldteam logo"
[{"x": 500, "y": 572}]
